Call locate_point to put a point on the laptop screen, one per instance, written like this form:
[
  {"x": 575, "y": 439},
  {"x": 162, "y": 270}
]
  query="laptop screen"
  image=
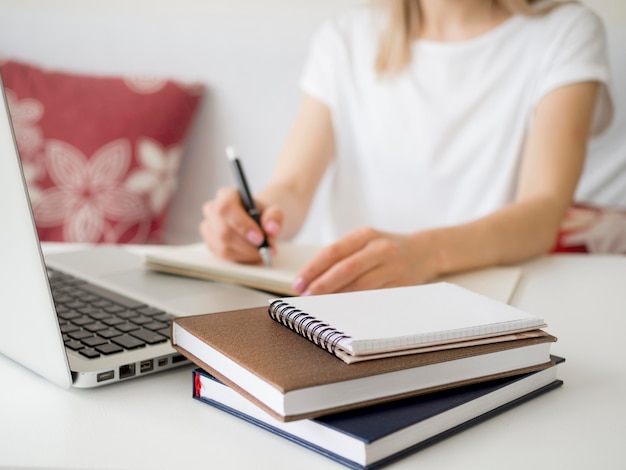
[{"x": 30, "y": 332}]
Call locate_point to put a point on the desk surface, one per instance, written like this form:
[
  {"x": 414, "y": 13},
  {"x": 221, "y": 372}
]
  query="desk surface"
[{"x": 152, "y": 422}]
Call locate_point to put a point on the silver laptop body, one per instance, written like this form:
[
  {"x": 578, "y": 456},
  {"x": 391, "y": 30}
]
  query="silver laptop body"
[{"x": 30, "y": 333}]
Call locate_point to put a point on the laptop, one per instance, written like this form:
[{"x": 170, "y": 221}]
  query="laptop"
[{"x": 108, "y": 317}]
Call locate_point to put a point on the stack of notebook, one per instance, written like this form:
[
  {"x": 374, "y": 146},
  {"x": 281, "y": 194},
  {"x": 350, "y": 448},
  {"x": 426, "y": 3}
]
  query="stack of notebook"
[{"x": 366, "y": 377}]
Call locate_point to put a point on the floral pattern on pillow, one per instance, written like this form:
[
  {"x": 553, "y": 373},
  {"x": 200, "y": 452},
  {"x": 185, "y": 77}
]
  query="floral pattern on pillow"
[
  {"x": 100, "y": 154},
  {"x": 593, "y": 229}
]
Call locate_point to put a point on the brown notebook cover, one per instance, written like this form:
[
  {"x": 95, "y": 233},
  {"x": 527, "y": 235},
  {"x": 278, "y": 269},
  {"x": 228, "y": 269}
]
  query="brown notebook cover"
[{"x": 290, "y": 362}]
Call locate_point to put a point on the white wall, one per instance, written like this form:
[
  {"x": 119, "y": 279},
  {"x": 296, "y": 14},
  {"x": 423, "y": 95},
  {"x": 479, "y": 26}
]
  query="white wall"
[
  {"x": 612, "y": 11},
  {"x": 248, "y": 52}
]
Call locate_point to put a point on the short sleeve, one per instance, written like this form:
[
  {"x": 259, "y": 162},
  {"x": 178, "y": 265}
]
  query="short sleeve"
[
  {"x": 581, "y": 55},
  {"x": 319, "y": 77}
]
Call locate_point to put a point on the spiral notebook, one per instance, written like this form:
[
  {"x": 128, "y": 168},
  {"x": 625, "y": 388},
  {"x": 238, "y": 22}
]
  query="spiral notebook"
[{"x": 379, "y": 323}]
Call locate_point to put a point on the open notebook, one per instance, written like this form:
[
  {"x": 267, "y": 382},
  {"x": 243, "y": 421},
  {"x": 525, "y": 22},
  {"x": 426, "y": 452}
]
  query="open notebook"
[{"x": 195, "y": 260}]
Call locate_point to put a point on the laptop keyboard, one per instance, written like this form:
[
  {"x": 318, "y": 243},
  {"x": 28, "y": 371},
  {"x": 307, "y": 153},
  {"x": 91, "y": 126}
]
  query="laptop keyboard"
[{"x": 97, "y": 322}]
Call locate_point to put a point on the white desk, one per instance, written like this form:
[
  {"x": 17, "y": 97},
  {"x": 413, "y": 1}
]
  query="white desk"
[{"x": 152, "y": 422}]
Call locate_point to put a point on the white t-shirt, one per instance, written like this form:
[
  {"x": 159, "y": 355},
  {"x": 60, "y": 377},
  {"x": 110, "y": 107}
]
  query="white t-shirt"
[{"x": 441, "y": 143}]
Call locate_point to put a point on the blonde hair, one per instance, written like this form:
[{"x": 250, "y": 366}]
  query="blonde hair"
[{"x": 403, "y": 22}]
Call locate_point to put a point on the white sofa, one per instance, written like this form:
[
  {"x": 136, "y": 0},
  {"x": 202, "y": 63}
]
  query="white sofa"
[{"x": 249, "y": 54}]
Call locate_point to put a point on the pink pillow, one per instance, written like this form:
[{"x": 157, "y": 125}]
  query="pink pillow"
[
  {"x": 100, "y": 154},
  {"x": 593, "y": 229}
]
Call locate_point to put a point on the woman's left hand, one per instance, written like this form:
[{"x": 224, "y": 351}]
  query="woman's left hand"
[{"x": 369, "y": 259}]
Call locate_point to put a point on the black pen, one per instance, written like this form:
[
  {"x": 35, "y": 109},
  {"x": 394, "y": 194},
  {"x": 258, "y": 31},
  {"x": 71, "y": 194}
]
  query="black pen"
[{"x": 248, "y": 202}]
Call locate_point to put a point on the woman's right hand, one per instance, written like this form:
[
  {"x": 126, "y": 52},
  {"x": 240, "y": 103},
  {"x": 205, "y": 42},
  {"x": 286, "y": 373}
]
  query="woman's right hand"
[{"x": 231, "y": 233}]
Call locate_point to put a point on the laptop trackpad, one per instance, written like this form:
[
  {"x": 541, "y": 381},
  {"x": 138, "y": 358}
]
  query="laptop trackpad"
[
  {"x": 123, "y": 272},
  {"x": 184, "y": 296}
]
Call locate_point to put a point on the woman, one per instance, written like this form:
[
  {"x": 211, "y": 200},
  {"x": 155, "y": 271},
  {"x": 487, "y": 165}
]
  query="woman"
[{"x": 455, "y": 132}]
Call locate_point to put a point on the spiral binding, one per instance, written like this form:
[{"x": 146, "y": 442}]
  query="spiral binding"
[{"x": 316, "y": 331}]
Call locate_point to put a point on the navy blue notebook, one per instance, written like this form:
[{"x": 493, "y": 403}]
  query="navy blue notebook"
[{"x": 378, "y": 435}]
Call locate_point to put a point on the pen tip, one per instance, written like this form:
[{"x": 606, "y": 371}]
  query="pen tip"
[
  {"x": 231, "y": 153},
  {"x": 266, "y": 254}
]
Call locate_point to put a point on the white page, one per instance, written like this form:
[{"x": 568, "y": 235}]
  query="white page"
[
  {"x": 286, "y": 264},
  {"x": 405, "y": 316}
]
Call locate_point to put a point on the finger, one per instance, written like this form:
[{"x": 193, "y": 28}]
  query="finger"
[
  {"x": 228, "y": 246},
  {"x": 272, "y": 220},
  {"x": 327, "y": 258},
  {"x": 379, "y": 277},
  {"x": 228, "y": 230},
  {"x": 347, "y": 274},
  {"x": 228, "y": 207},
  {"x": 382, "y": 262}
]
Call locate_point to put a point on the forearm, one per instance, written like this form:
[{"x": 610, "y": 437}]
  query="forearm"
[
  {"x": 301, "y": 165},
  {"x": 550, "y": 170},
  {"x": 515, "y": 233}
]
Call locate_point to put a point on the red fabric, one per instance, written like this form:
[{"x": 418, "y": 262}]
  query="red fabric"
[{"x": 100, "y": 154}]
